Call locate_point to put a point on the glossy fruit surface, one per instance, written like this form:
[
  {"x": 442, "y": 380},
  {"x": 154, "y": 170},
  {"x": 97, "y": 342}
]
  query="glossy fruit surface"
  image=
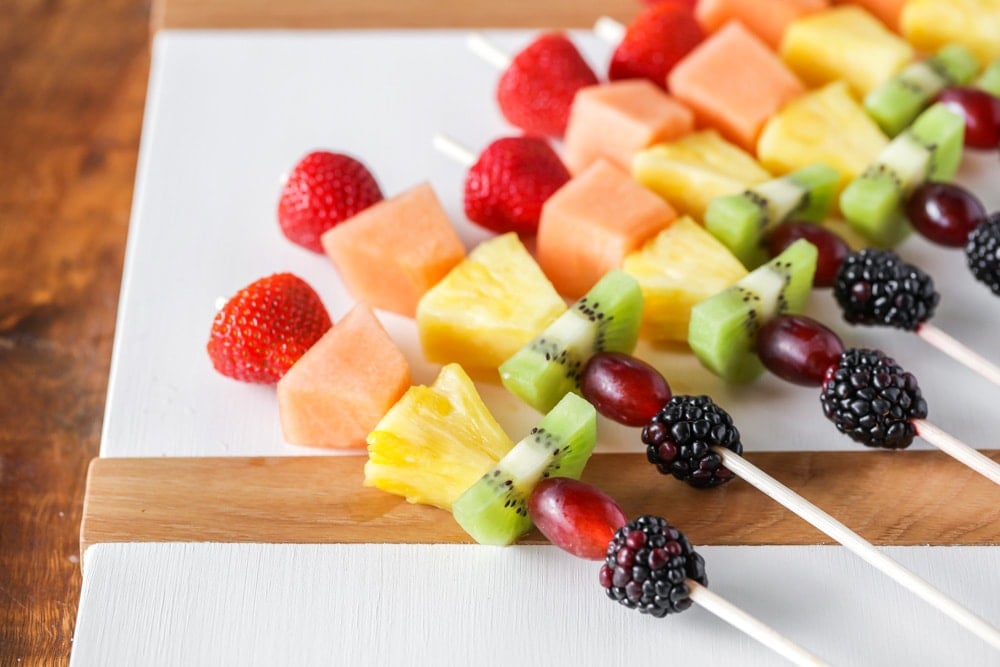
[
  {"x": 624, "y": 388},
  {"x": 798, "y": 349},
  {"x": 944, "y": 213},
  {"x": 575, "y": 516},
  {"x": 832, "y": 249},
  {"x": 981, "y": 112}
]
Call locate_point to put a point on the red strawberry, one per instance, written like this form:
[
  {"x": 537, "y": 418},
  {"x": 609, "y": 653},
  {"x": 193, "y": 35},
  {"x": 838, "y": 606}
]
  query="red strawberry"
[
  {"x": 656, "y": 40},
  {"x": 506, "y": 187},
  {"x": 684, "y": 3},
  {"x": 324, "y": 189},
  {"x": 535, "y": 92},
  {"x": 265, "y": 328}
]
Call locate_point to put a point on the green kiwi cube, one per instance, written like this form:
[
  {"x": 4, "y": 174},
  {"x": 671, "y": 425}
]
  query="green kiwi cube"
[
  {"x": 548, "y": 367},
  {"x": 494, "y": 510},
  {"x": 820, "y": 181},
  {"x": 942, "y": 132},
  {"x": 957, "y": 63},
  {"x": 723, "y": 328},
  {"x": 736, "y": 221},
  {"x": 989, "y": 79}
]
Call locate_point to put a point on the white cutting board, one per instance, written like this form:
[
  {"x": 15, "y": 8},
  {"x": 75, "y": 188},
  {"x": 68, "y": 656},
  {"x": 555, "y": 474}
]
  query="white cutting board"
[{"x": 227, "y": 113}]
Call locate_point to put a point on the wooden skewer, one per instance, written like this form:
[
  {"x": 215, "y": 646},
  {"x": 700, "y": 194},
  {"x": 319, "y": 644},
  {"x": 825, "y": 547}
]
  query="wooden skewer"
[
  {"x": 959, "y": 352},
  {"x": 609, "y": 30},
  {"x": 456, "y": 151},
  {"x": 751, "y": 625},
  {"x": 858, "y": 545},
  {"x": 487, "y": 50},
  {"x": 958, "y": 450}
]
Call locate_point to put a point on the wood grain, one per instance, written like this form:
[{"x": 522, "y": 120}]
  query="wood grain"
[{"x": 322, "y": 500}]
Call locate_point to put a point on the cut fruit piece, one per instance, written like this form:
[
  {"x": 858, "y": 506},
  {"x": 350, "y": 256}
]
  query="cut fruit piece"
[
  {"x": 743, "y": 221},
  {"x": 487, "y": 308},
  {"x": 826, "y": 125},
  {"x": 769, "y": 25},
  {"x": 693, "y": 170},
  {"x": 734, "y": 83},
  {"x": 435, "y": 442},
  {"x": 847, "y": 43},
  {"x": 896, "y": 103},
  {"x": 614, "y": 120},
  {"x": 989, "y": 80},
  {"x": 343, "y": 385},
  {"x": 494, "y": 510},
  {"x": 723, "y": 331},
  {"x": 676, "y": 269},
  {"x": 931, "y": 24},
  {"x": 549, "y": 367},
  {"x": 590, "y": 224},
  {"x": 389, "y": 254},
  {"x": 930, "y": 149},
  {"x": 886, "y": 11}
]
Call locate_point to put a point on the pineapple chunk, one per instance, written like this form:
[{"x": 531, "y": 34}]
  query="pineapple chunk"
[
  {"x": 487, "y": 308},
  {"x": 931, "y": 24},
  {"x": 826, "y": 125},
  {"x": 676, "y": 269},
  {"x": 691, "y": 171},
  {"x": 844, "y": 42},
  {"x": 435, "y": 442}
]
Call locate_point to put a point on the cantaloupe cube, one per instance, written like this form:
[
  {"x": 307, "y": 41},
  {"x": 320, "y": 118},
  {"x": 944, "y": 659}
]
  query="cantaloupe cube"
[
  {"x": 844, "y": 42},
  {"x": 336, "y": 393},
  {"x": 614, "y": 120},
  {"x": 767, "y": 22},
  {"x": 734, "y": 83},
  {"x": 886, "y": 11},
  {"x": 391, "y": 253},
  {"x": 590, "y": 224},
  {"x": 931, "y": 24}
]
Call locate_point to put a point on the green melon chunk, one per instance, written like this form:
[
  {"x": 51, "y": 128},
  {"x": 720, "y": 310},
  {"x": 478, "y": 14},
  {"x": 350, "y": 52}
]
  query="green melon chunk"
[
  {"x": 723, "y": 329},
  {"x": 494, "y": 510}
]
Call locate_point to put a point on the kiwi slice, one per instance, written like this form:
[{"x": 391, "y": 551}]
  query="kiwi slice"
[
  {"x": 989, "y": 80},
  {"x": 723, "y": 329},
  {"x": 741, "y": 222},
  {"x": 605, "y": 318},
  {"x": 897, "y": 102},
  {"x": 930, "y": 149},
  {"x": 494, "y": 510}
]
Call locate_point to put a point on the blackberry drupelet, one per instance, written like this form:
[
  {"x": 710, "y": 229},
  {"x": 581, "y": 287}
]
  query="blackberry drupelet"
[
  {"x": 647, "y": 565},
  {"x": 982, "y": 252},
  {"x": 680, "y": 437},
  {"x": 877, "y": 287},
  {"x": 872, "y": 400}
]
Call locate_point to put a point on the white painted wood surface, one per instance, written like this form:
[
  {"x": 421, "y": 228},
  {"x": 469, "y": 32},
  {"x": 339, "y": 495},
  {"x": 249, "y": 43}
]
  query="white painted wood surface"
[{"x": 209, "y": 604}]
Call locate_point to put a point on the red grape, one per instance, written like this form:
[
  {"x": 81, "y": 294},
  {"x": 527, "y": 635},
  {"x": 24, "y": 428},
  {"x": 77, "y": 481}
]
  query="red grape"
[
  {"x": 944, "y": 213},
  {"x": 832, "y": 249},
  {"x": 981, "y": 112},
  {"x": 623, "y": 388},
  {"x": 575, "y": 516},
  {"x": 798, "y": 349}
]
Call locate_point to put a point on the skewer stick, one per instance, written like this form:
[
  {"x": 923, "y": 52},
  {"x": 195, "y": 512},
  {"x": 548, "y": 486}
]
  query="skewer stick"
[
  {"x": 456, "y": 151},
  {"x": 959, "y": 352},
  {"x": 752, "y": 626},
  {"x": 487, "y": 50},
  {"x": 859, "y": 545},
  {"x": 609, "y": 30},
  {"x": 957, "y": 449}
]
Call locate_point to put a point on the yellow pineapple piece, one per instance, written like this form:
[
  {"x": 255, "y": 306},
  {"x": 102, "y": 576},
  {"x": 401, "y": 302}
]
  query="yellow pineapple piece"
[
  {"x": 931, "y": 24},
  {"x": 844, "y": 42},
  {"x": 677, "y": 268},
  {"x": 487, "y": 308},
  {"x": 692, "y": 170},
  {"x": 435, "y": 442},
  {"x": 825, "y": 125}
]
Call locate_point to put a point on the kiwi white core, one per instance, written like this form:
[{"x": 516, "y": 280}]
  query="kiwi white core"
[
  {"x": 783, "y": 196},
  {"x": 908, "y": 159},
  {"x": 768, "y": 286}
]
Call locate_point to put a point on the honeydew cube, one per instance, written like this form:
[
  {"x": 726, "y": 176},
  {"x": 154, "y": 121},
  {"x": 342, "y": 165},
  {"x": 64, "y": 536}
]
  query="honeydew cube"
[
  {"x": 390, "y": 254},
  {"x": 931, "y": 24},
  {"x": 844, "y": 42},
  {"x": 614, "y": 120},
  {"x": 734, "y": 83},
  {"x": 590, "y": 224},
  {"x": 769, "y": 25}
]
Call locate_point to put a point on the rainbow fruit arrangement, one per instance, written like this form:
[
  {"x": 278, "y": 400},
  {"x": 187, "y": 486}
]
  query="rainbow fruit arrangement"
[{"x": 696, "y": 197}]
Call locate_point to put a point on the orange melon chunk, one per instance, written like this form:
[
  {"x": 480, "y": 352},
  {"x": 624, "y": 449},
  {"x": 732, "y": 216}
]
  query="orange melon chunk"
[
  {"x": 391, "y": 253},
  {"x": 614, "y": 120},
  {"x": 886, "y": 11},
  {"x": 734, "y": 83},
  {"x": 769, "y": 24},
  {"x": 590, "y": 224},
  {"x": 336, "y": 393}
]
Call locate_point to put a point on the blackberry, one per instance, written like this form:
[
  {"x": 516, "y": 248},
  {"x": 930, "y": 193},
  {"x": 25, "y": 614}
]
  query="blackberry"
[
  {"x": 982, "y": 252},
  {"x": 877, "y": 287},
  {"x": 680, "y": 436},
  {"x": 647, "y": 565},
  {"x": 872, "y": 400}
]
